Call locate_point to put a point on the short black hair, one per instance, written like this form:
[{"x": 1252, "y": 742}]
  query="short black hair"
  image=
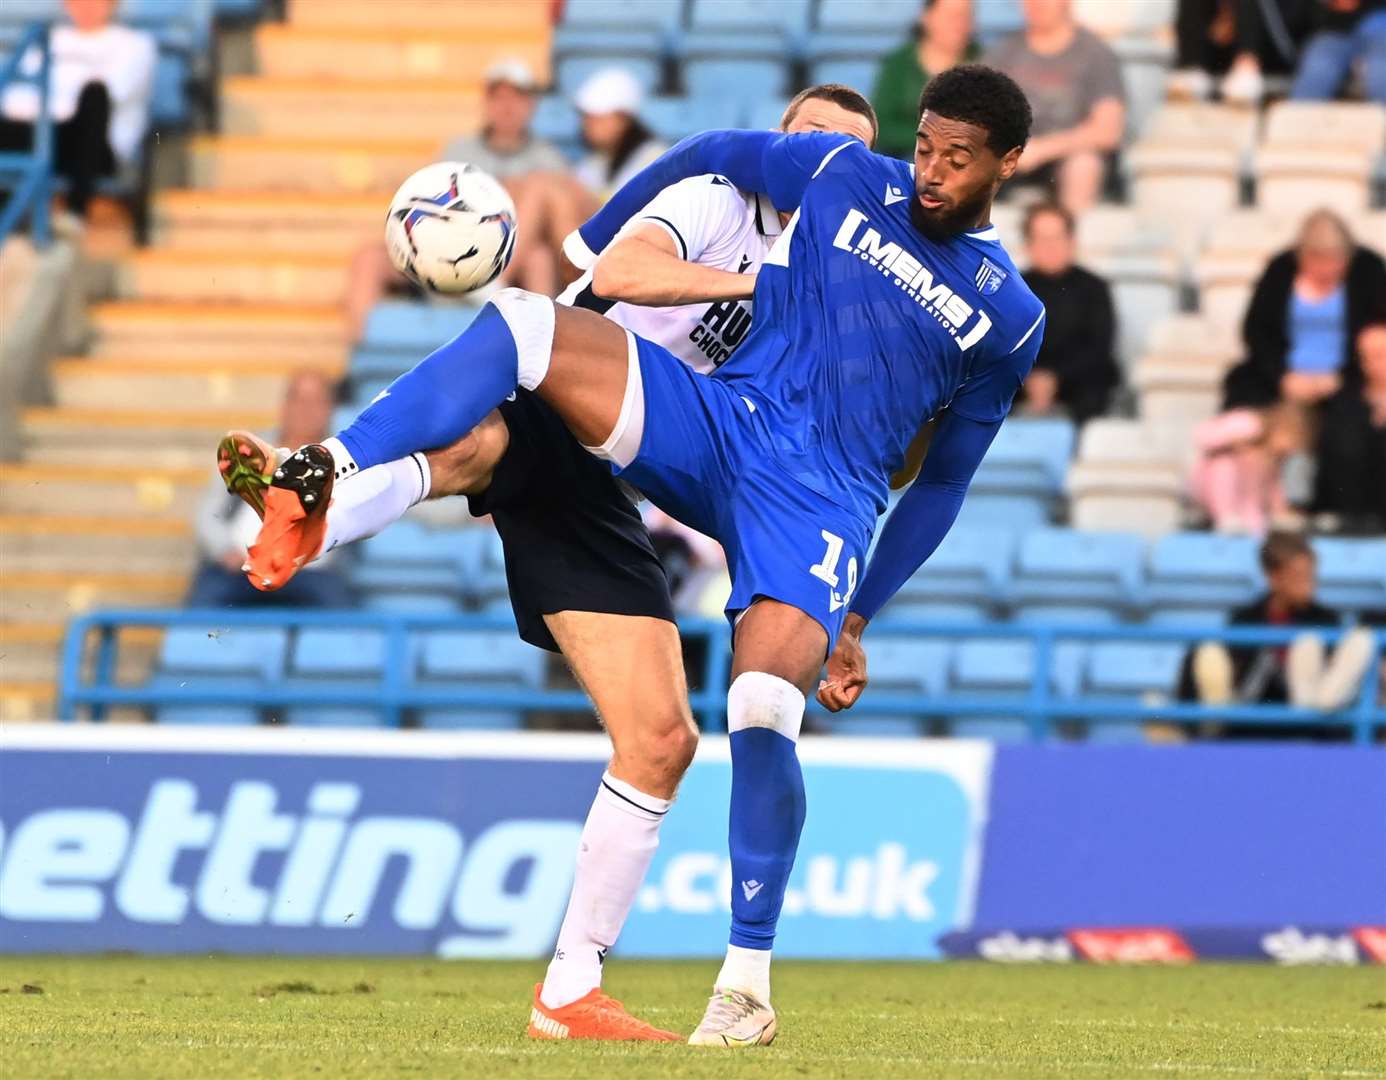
[
  {"x": 1280, "y": 547},
  {"x": 1039, "y": 209},
  {"x": 841, "y": 95},
  {"x": 981, "y": 95}
]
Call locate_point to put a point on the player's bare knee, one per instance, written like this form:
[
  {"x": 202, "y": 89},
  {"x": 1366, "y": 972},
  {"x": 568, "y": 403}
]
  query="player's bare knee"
[
  {"x": 657, "y": 751},
  {"x": 466, "y": 467}
]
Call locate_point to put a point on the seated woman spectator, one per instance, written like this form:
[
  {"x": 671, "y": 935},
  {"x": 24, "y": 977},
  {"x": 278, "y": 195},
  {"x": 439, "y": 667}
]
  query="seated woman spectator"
[
  {"x": 1305, "y": 311},
  {"x": 1075, "y": 372},
  {"x": 618, "y": 144},
  {"x": 1351, "y": 479},
  {"x": 1346, "y": 32},
  {"x": 941, "y": 39},
  {"x": 1253, "y": 469},
  {"x": 1236, "y": 41},
  {"x": 101, "y": 79},
  {"x": 1073, "y": 80}
]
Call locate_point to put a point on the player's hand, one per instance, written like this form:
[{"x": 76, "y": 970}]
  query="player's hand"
[{"x": 846, "y": 672}]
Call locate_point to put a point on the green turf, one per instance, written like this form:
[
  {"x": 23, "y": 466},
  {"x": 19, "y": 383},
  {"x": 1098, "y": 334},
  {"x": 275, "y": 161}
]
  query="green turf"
[{"x": 279, "y": 1017}]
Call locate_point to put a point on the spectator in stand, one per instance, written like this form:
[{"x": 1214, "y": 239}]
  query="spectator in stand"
[
  {"x": 1351, "y": 479},
  {"x": 1305, "y": 312},
  {"x": 1253, "y": 469},
  {"x": 1236, "y": 40},
  {"x": 1073, "y": 81},
  {"x": 1075, "y": 372},
  {"x": 618, "y": 144},
  {"x": 1304, "y": 674},
  {"x": 226, "y": 525},
  {"x": 548, "y": 201},
  {"x": 1345, "y": 32},
  {"x": 101, "y": 78},
  {"x": 941, "y": 39}
]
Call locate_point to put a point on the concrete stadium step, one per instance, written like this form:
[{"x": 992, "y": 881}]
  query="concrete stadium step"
[
  {"x": 439, "y": 109},
  {"x": 108, "y": 437},
  {"x": 242, "y": 385},
  {"x": 399, "y": 50},
  {"x": 22, "y": 701},
  {"x": 46, "y": 597},
  {"x": 313, "y": 333},
  {"x": 32, "y": 653},
  {"x": 227, "y": 275},
  {"x": 303, "y": 165},
  {"x": 511, "y": 15},
  {"x": 319, "y": 223},
  {"x": 123, "y": 492},
  {"x": 43, "y": 543}
]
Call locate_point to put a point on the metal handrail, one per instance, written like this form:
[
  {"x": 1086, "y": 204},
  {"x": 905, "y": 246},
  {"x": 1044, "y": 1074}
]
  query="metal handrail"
[
  {"x": 398, "y": 689},
  {"x": 34, "y": 169}
]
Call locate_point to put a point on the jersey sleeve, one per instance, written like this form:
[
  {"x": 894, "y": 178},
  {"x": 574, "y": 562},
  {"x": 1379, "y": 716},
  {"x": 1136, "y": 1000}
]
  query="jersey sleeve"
[
  {"x": 697, "y": 213},
  {"x": 777, "y": 165},
  {"x": 987, "y": 393}
]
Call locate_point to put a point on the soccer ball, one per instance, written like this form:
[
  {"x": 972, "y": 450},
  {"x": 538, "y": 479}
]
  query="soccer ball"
[{"x": 451, "y": 228}]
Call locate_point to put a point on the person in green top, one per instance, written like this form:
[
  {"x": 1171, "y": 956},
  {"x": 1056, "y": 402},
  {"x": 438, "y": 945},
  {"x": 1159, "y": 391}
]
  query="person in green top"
[{"x": 941, "y": 39}]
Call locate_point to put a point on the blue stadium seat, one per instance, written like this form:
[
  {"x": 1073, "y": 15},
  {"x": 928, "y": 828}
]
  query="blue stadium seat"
[
  {"x": 412, "y": 602},
  {"x": 575, "y": 69},
  {"x": 182, "y": 25},
  {"x": 475, "y": 658},
  {"x": 1202, "y": 570},
  {"x": 228, "y": 715},
  {"x": 789, "y": 16},
  {"x": 343, "y": 659},
  {"x": 1133, "y": 669},
  {"x": 1012, "y": 513},
  {"x": 1352, "y": 572},
  {"x": 893, "y": 17},
  {"x": 972, "y": 565},
  {"x": 1029, "y": 457},
  {"x": 228, "y": 650},
  {"x": 857, "y": 72},
  {"x": 415, "y": 328},
  {"x": 616, "y": 44},
  {"x": 994, "y": 668},
  {"x": 765, "y": 113},
  {"x": 742, "y": 78},
  {"x": 1071, "y": 566},
  {"x": 622, "y": 13},
  {"x": 410, "y": 558},
  {"x": 373, "y": 363},
  {"x": 555, "y": 119},
  {"x": 239, "y": 9},
  {"x": 673, "y": 118},
  {"x": 408, "y": 543},
  {"x": 898, "y": 664},
  {"x": 1065, "y": 615},
  {"x": 1193, "y": 618},
  {"x": 484, "y": 568},
  {"x": 961, "y": 614},
  {"x": 24, "y": 12}
]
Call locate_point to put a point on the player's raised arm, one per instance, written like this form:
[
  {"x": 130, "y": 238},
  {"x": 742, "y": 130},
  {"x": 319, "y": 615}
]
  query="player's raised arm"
[
  {"x": 646, "y": 267},
  {"x": 761, "y": 161}
]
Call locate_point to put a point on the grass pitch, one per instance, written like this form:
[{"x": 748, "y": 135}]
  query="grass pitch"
[{"x": 281, "y": 1017}]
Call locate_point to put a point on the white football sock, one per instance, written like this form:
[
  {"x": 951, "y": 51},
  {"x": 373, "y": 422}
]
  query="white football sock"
[
  {"x": 618, "y": 842},
  {"x": 747, "y": 970},
  {"x": 366, "y": 503},
  {"x": 344, "y": 464}
]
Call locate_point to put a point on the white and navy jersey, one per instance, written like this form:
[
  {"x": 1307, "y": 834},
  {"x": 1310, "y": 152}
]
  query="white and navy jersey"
[{"x": 711, "y": 223}]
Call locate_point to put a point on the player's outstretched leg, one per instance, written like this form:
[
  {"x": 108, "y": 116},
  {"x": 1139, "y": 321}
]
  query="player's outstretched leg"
[
  {"x": 779, "y": 651},
  {"x": 519, "y": 339}
]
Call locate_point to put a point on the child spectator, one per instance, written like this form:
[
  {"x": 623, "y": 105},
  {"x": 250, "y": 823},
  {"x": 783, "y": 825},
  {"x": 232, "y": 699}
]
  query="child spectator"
[{"x": 1252, "y": 468}]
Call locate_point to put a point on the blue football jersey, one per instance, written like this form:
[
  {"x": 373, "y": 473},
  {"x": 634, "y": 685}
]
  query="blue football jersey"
[{"x": 865, "y": 328}]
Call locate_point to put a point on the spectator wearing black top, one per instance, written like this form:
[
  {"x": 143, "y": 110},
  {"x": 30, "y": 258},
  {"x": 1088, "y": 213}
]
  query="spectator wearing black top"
[
  {"x": 1350, "y": 482},
  {"x": 1075, "y": 371},
  {"x": 1314, "y": 297},
  {"x": 1303, "y": 674}
]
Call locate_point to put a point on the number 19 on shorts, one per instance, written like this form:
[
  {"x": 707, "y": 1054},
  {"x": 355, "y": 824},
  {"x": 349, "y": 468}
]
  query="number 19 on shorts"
[{"x": 826, "y": 571}]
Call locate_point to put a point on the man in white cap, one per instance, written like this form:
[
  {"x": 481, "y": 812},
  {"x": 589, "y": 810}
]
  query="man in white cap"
[{"x": 619, "y": 144}]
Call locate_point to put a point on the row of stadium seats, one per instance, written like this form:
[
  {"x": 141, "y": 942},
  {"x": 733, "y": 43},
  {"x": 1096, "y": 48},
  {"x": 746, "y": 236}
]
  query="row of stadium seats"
[{"x": 355, "y": 661}]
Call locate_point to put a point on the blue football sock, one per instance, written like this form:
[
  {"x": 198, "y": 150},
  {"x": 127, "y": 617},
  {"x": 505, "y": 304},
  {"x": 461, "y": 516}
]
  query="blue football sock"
[
  {"x": 442, "y": 398},
  {"x": 767, "y": 802}
]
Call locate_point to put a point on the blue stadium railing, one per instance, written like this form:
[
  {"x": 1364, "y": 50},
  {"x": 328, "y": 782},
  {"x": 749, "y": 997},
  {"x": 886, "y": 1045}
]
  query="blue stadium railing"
[
  {"x": 398, "y": 690},
  {"x": 29, "y": 174}
]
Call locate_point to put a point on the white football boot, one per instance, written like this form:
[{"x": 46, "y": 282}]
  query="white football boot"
[{"x": 735, "y": 1018}]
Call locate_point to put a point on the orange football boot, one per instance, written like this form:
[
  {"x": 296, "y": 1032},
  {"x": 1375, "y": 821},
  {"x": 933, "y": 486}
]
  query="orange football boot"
[
  {"x": 291, "y": 498},
  {"x": 592, "y": 1016}
]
